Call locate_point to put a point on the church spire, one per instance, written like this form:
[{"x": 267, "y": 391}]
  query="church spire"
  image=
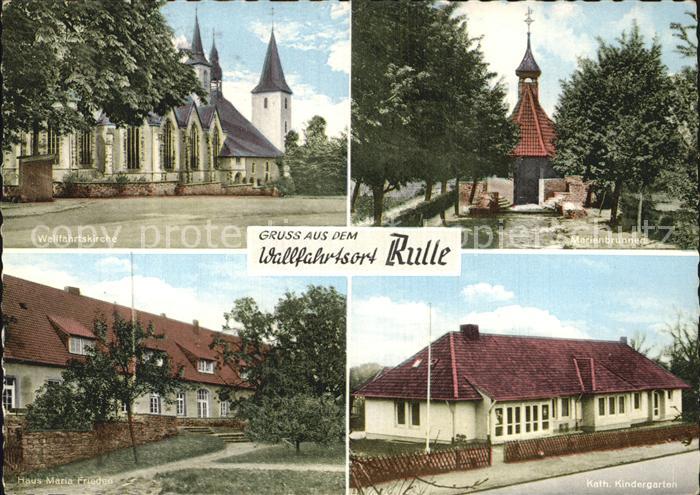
[
  {"x": 272, "y": 75},
  {"x": 528, "y": 68},
  {"x": 216, "y": 72},
  {"x": 196, "y": 50}
]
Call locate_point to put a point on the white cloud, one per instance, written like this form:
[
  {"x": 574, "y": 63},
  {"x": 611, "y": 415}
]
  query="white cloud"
[
  {"x": 300, "y": 36},
  {"x": 180, "y": 41},
  {"x": 387, "y": 332},
  {"x": 525, "y": 320},
  {"x": 113, "y": 264},
  {"x": 486, "y": 292},
  {"x": 340, "y": 10},
  {"x": 339, "y": 56}
]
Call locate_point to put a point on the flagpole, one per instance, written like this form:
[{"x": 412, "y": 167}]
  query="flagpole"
[{"x": 427, "y": 416}]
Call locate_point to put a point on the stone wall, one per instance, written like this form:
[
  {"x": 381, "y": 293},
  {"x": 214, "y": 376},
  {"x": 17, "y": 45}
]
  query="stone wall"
[
  {"x": 170, "y": 188},
  {"x": 43, "y": 449},
  {"x": 35, "y": 178},
  {"x": 465, "y": 191}
]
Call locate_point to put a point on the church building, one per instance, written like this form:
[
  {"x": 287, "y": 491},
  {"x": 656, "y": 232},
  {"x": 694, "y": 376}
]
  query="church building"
[
  {"x": 196, "y": 143},
  {"x": 534, "y": 152}
]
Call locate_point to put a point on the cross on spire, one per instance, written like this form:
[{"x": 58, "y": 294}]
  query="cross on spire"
[
  {"x": 272, "y": 16},
  {"x": 529, "y": 20}
]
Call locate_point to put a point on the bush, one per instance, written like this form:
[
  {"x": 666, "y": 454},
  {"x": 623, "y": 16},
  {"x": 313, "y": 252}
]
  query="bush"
[
  {"x": 58, "y": 406},
  {"x": 285, "y": 185}
]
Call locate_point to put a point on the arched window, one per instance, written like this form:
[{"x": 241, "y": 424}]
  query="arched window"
[
  {"x": 265, "y": 102},
  {"x": 168, "y": 158},
  {"x": 194, "y": 148},
  {"x": 85, "y": 147},
  {"x": 154, "y": 404},
  {"x": 215, "y": 149},
  {"x": 202, "y": 403},
  {"x": 252, "y": 168},
  {"x": 133, "y": 147},
  {"x": 285, "y": 102},
  {"x": 285, "y": 127}
]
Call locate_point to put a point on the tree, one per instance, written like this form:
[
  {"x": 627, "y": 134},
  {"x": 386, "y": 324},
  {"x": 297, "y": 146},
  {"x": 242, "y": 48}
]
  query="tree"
[
  {"x": 295, "y": 359},
  {"x": 611, "y": 118},
  {"x": 417, "y": 78},
  {"x": 71, "y": 59},
  {"x": 123, "y": 365},
  {"x": 319, "y": 166},
  {"x": 683, "y": 356}
]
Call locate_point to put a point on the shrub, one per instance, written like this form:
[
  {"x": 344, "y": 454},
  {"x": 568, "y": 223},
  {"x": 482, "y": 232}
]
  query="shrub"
[
  {"x": 285, "y": 185},
  {"x": 58, "y": 406}
]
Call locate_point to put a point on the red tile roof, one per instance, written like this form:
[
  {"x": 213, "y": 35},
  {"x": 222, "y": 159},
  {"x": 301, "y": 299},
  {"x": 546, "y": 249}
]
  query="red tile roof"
[
  {"x": 536, "y": 130},
  {"x": 31, "y": 337},
  {"x": 506, "y": 367}
]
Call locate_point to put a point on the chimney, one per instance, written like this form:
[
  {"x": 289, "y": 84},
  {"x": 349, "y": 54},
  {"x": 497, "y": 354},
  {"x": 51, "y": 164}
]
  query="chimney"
[
  {"x": 72, "y": 290},
  {"x": 623, "y": 340},
  {"x": 195, "y": 323},
  {"x": 469, "y": 331}
]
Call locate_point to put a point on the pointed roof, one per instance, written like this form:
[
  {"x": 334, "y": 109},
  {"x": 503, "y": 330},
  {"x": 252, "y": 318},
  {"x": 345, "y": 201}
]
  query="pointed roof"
[
  {"x": 196, "y": 50},
  {"x": 528, "y": 67},
  {"x": 509, "y": 367},
  {"x": 242, "y": 137},
  {"x": 272, "y": 75},
  {"x": 536, "y": 129},
  {"x": 216, "y": 72}
]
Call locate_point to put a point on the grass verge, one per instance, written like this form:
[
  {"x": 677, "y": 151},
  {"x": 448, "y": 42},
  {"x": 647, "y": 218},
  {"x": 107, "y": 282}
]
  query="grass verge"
[
  {"x": 153, "y": 454},
  {"x": 309, "y": 453},
  {"x": 252, "y": 482}
]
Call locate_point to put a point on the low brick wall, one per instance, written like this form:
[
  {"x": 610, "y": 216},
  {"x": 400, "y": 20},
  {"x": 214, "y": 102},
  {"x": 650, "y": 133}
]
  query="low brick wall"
[
  {"x": 225, "y": 422},
  {"x": 538, "y": 448},
  {"x": 465, "y": 191},
  {"x": 161, "y": 188},
  {"x": 43, "y": 449}
]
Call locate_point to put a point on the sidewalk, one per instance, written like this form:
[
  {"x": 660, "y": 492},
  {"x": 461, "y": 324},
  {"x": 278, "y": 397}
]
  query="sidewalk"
[{"x": 501, "y": 474}]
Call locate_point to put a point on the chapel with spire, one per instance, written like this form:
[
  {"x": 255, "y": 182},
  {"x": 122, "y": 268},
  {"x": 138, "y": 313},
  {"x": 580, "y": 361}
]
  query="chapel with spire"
[{"x": 534, "y": 152}]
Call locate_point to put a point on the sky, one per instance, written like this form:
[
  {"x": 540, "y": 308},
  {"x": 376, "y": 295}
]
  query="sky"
[
  {"x": 593, "y": 296},
  {"x": 564, "y": 31},
  {"x": 313, "y": 41},
  {"x": 185, "y": 287}
]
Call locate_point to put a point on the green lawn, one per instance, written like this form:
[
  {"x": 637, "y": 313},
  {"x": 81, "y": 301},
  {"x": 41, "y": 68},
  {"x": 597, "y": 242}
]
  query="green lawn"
[
  {"x": 310, "y": 453},
  {"x": 252, "y": 482},
  {"x": 384, "y": 447},
  {"x": 172, "y": 449}
]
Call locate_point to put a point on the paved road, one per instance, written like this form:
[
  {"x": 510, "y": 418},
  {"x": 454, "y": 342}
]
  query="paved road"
[
  {"x": 671, "y": 475},
  {"x": 215, "y": 222}
]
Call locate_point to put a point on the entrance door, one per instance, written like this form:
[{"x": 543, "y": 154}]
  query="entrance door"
[
  {"x": 527, "y": 181},
  {"x": 202, "y": 403}
]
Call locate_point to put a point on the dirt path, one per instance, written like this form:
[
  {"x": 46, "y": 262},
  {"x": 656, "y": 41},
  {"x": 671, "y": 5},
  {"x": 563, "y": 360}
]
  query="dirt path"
[{"x": 143, "y": 482}]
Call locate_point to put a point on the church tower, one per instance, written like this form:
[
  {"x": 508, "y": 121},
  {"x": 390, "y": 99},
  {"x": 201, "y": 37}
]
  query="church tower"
[
  {"x": 216, "y": 73},
  {"x": 272, "y": 99},
  {"x": 198, "y": 60},
  {"x": 534, "y": 151}
]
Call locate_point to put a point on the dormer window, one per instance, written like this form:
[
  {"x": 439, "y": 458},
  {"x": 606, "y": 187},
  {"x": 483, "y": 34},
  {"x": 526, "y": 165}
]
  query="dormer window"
[
  {"x": 205, "y": 366},
  {"x": 79, "y": 345}
]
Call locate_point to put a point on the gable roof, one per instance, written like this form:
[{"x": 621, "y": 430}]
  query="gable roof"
[
  {"x": 536, "y": 130},
  {"x": 506, "y": 367},
  {"x": 272, "y": 75},
  {"x": 242, "y": 137},
  {"x": 31, "y": 336}
]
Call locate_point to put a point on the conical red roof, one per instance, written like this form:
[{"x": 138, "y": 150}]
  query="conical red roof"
[{"x": 536, "y": 130}]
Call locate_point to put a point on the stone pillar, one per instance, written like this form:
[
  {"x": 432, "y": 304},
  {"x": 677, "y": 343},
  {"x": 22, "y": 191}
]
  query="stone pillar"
[{"x": 109, "y": 153}]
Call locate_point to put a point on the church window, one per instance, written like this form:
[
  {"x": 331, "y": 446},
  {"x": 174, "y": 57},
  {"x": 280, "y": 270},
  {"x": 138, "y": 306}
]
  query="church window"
[
  {"x": 285, "y": 103},
  {"x": 267, "y": 166},
  {"x": 168, "y": 148},
  {"x": 215, "y": 149},
  {"x": 252, "y": 168},
  {"x": 53, "y": 140},
  {"x": 285, "y": 127},
  {"x": 194, "y": 148},
  {"x": 133, "y": 147},
  {"x": 85, "y": 147},
  {"x": 265, "y": 102}
]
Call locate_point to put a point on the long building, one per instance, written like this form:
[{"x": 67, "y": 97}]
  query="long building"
[{"x": 46, "y": 327}]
